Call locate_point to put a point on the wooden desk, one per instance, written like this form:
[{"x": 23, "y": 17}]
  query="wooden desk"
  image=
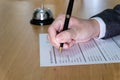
[{"x": 19, "y": 43}]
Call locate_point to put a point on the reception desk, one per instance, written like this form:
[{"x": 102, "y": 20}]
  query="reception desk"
[{"x": 19, "y": 42}]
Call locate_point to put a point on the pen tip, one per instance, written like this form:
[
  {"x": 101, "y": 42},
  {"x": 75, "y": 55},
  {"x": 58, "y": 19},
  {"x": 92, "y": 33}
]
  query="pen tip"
[{"x": 60, "y": 49}]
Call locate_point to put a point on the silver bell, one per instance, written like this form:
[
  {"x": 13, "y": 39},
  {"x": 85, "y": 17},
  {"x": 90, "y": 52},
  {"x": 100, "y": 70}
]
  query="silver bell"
[{"x": 42, "y": 16}]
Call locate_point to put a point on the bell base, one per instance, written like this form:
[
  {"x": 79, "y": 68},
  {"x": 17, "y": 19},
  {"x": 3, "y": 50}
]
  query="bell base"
[{"x": 42, "y": 22}]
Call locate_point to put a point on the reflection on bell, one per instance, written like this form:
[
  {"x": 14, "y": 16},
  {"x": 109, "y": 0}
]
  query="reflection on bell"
[{"x": 42, "y": 16}]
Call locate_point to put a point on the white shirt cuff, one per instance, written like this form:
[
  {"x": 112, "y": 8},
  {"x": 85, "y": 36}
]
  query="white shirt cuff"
[{"x": 102, "y": 27}]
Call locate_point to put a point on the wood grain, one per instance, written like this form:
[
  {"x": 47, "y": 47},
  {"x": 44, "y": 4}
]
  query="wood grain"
[{"x": 19, "y": 42}]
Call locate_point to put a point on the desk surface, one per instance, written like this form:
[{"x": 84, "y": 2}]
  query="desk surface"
[{"x": 19, "y": 42}]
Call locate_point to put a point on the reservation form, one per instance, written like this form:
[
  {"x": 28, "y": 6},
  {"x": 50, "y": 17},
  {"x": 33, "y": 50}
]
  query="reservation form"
[{"x": 91, "y": 52}]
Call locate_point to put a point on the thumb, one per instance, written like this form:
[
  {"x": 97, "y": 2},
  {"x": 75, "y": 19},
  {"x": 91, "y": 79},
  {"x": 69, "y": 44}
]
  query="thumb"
[{"x": 64, "y": 36}]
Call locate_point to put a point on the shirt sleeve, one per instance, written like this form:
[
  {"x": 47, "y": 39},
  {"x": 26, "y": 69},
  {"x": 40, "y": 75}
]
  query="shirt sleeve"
[{"x": 102, "y": 27}]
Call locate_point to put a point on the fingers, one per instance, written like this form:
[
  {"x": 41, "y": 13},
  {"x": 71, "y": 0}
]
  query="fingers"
[
  {"x": 66, "y": 36},
  {"x": 52, "y": 37},
  {"x": 68, "y": 44},
  {"x": 55, "y": 27}
]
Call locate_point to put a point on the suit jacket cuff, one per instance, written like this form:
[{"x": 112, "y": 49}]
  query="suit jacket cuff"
[{"x": 111, "y": 17}]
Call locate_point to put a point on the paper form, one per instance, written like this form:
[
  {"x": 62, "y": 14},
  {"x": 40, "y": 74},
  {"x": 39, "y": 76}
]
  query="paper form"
[{"x": 91, "y": 52}]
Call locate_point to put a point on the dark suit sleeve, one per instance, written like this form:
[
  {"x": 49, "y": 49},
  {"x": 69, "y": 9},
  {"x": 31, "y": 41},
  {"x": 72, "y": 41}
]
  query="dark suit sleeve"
[{"x": 111, "y": 17}]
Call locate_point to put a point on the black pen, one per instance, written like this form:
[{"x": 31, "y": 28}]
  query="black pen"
[{"x": 67, "y": 18}]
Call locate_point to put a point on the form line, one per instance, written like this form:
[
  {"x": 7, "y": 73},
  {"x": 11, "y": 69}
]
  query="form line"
[{"x": 82, "y": 53}]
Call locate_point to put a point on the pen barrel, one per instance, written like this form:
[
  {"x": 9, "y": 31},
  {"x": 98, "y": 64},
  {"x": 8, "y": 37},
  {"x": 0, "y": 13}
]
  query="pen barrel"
[
  {"x": 67, "y": 17},
  {"x": 66, "y": 23},
  {"x": 68, "y": 14},
  {"x": 70, "y": 7}
]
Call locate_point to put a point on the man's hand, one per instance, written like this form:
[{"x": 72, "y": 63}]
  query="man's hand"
[{"x": 80, "y": 30}]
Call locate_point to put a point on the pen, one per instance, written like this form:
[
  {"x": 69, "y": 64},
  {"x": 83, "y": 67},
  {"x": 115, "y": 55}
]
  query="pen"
[{"x": 67, "y": 18}]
